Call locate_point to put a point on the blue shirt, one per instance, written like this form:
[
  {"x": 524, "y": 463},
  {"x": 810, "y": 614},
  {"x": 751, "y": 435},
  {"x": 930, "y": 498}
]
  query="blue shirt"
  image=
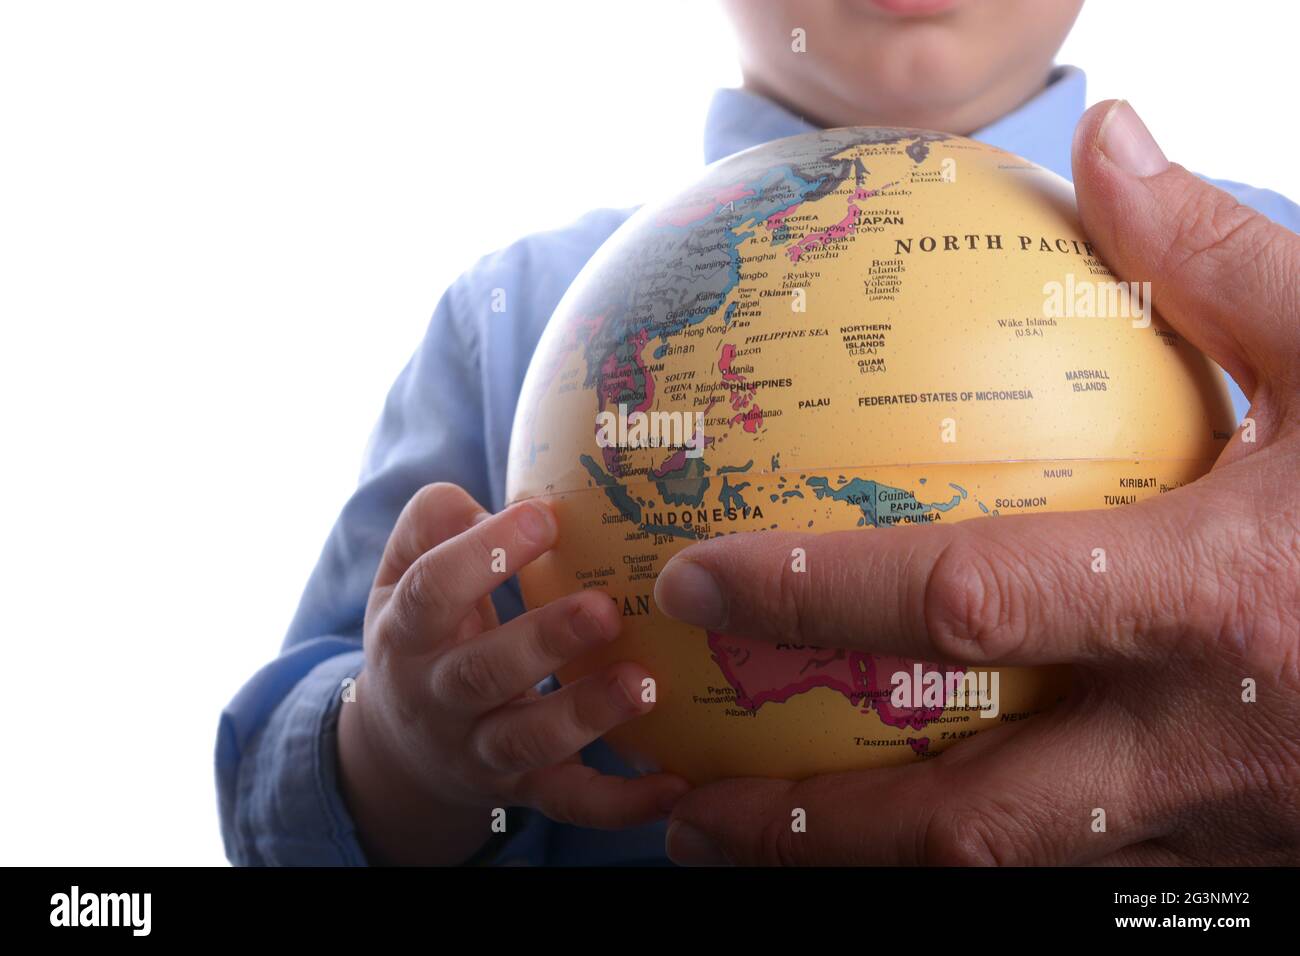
[{"x": 448, "y": 418}]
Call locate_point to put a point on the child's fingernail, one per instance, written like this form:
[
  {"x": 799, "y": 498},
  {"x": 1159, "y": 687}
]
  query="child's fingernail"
[
  {"x": 671, "y": 799},
  {"x": 621, "y": 695},
  {"x": 688, "y": 592},
  {"x": 536, "y": 522},
  {"x": 1127, "y": 142},
  {"x": 687, "y": 846},
  {"x": 589, "y": 628}
]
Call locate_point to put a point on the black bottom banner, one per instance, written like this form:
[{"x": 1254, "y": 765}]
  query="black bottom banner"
[{"x": 946, "y": 906}]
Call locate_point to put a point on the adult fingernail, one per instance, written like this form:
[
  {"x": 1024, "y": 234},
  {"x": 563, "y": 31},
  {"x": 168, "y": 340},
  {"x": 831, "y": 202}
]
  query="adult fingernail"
[
  {"x": 690, "y": 593},
  {"x": 1127, "y": 142},
  {"x": 687, "y": 846},
  {"x": 536, "y": 522}
]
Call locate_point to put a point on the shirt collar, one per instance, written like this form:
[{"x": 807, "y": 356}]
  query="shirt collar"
[{"x": 1040, "y": 130}]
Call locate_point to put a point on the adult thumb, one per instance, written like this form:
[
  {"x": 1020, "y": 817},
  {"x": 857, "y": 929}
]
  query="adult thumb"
[{"x": 1223, "y": 275}]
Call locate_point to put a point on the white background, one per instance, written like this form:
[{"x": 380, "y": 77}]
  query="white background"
[{"x": 223, "y": 227}]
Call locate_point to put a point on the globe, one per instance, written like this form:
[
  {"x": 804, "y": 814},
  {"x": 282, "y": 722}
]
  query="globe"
[{"x": 864, "y": 328}]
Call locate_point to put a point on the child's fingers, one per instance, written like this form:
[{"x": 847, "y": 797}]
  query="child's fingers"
[
  {"x": 494, "y": 668},
  {"x": 435, "y": 513},
  {"x": 446, "y": 583},
  {"x": 580, "y": 795},
  {"x": 556, "y": 726}
]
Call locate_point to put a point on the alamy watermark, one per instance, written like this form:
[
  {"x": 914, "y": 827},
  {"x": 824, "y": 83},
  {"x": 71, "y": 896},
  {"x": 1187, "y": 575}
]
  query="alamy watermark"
[
  {"x": 651, "y": 430},
  {"x": 130, "y": 910},
  {"x": 1092, "y": 299},
  {"x": 957, "y": 689}
]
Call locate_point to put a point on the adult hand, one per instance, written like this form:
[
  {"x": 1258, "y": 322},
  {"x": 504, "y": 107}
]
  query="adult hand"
[{"x": 1203, "y": 592}]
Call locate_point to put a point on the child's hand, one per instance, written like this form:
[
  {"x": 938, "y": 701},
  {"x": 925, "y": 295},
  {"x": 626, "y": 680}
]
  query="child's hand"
[{"x": 446, "y": 725}]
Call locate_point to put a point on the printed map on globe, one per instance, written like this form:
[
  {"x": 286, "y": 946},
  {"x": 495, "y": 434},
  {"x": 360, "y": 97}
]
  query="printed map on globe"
[{"x": 852, "y": 329}]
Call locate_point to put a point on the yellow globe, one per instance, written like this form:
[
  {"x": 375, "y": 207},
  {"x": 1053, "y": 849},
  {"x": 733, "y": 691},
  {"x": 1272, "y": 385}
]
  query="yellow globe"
[{"x": 858, "y": 328}]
